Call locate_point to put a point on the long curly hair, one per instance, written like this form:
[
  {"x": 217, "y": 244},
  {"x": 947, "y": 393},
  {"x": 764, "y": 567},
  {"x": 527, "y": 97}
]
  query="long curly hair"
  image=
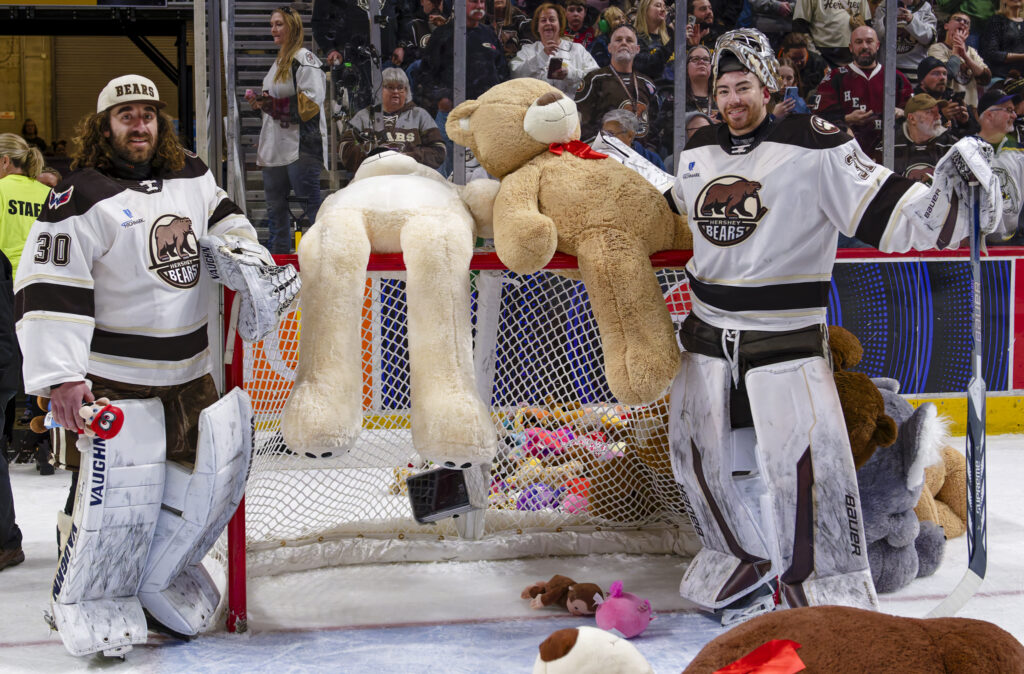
[
  {"x": 93, "y": 148},
  {"x": 292, "y": 42}
]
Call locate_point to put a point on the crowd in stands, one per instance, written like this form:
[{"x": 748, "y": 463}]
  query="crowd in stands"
[{"x": 620, "y": 55}]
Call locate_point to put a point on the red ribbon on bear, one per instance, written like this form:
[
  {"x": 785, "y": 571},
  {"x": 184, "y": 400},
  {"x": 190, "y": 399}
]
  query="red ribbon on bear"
[
  {"x": 578, "y": 148},
  {"x": 778, "y": 656}
]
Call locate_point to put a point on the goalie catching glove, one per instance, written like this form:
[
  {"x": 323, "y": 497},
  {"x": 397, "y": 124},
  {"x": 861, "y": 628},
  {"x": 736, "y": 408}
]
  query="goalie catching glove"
[{"x": 266, "y": 290}]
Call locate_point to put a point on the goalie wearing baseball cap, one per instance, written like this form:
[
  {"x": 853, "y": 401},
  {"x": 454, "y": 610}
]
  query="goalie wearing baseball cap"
[
  {"x": 129, "y": 252},
  {"x": 757, "y": 434}
]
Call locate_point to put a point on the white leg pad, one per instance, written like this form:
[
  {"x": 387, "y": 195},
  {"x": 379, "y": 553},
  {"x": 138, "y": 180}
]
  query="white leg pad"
[
  {"x": 804, "y": 454},
  {"x": 197, "y": 505},
  {"x": 735, "y": 559},
  {"x": 116, "y": 509}
]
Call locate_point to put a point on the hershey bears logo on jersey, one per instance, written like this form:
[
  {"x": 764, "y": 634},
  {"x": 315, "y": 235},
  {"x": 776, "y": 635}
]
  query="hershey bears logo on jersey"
[
  {"x": 823, "y": 126},
  {"x": 921, "y": 172},
  {"x": 173, "y": 251},
  {"x": 728, "y": 210}
]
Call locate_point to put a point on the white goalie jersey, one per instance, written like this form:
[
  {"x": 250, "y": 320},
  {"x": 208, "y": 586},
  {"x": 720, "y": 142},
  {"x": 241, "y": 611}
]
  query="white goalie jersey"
[
  {"x": 111, "y": 284},
  {"x": 766, "y": 217}
]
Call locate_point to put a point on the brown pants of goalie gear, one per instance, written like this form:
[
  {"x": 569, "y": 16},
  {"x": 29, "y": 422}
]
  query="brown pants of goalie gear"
[{"x": 182, "y": 405}]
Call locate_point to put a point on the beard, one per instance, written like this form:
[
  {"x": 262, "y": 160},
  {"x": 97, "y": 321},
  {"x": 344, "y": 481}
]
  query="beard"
[
  {"x": 741, "y": 122},
  {"x": 864, "y": 59},
  {"x": 131, "y": 153}
]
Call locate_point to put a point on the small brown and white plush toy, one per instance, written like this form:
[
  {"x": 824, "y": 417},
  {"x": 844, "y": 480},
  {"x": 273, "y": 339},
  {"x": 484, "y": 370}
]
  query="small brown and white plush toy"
[
  {"x": 557, "y": 194},
  {"x": 576, "y": 598},
  {"x": 589, "y": 650}
]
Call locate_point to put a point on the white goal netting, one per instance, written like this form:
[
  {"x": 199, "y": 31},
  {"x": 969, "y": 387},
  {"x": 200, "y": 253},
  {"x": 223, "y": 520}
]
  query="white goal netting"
[{"x": 576, "y": 473}]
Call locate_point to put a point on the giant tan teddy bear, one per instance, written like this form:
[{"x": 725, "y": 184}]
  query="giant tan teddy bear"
[
  {"x": 392, "y": 204},
  {"x": 526, "y": 133}
]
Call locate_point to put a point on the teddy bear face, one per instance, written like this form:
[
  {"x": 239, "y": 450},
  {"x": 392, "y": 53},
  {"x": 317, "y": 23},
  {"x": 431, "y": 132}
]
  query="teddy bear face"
[{"x": 512, "y": 123}]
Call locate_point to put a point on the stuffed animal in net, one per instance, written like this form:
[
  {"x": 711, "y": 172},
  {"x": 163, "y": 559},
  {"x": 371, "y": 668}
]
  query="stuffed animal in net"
[
  {"x": 623, "y": 613},
  {"x": 900, "y": 548},
  {"x": 576, "y": 598},
  {"x": 867, "y": 423},
  {"x": 393, "y": 204},
  {"x": 558, "y": 195}
]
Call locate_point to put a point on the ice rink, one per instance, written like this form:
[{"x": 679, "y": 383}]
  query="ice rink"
[{"x": 453, "y": 617}]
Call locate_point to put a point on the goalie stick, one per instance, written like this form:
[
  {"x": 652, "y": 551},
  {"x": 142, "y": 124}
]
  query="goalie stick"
[{"x": 977, "y": 552}]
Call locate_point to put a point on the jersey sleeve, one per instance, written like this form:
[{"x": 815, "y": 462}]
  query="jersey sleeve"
[{"x": 54, "y": 301}]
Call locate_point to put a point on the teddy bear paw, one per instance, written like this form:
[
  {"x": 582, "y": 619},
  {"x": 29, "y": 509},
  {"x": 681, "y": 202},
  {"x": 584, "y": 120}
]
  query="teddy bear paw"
[
  {"x": 317, "y": 430},
  {"x": 454, "y": 431}
]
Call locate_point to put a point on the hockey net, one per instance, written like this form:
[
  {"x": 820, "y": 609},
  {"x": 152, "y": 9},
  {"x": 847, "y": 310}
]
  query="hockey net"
[{"x": 576, "y": 473}]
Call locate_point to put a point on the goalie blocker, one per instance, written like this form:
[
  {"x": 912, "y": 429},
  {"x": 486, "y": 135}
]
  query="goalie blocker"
[{"x": 141, "y": 527}]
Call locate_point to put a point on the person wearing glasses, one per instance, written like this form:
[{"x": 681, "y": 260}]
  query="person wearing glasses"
[
  {"x": 964, "y": 63},
  {"x": 997, "y": 112},
  {"x": 396, "y": 123},
  {"x": 292, "y": 148}
]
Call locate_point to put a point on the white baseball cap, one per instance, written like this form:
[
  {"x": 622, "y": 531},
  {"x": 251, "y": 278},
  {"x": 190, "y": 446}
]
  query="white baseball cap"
[{"x": 128, "y": 89}]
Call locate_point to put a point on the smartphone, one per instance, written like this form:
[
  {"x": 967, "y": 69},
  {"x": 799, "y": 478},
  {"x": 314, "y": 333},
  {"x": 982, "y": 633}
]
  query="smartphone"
[
  {"x": 554, "y": 65},
  {"x": 691, "y": 19},
  {"x": 437, "y": 494},
  {"x": 958, "y": 97},
  {"x": 791, "y": 92}
]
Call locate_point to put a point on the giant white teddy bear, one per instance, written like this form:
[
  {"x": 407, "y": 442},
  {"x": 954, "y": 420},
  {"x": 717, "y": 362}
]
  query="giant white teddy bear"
[{"x": 393, "y": 204}]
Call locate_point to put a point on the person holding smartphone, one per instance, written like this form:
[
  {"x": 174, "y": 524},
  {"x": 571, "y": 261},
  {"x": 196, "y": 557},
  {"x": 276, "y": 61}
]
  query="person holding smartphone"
[
  {"x": 791, "y": 102},
  {"x": 967, "y": 69},
  {"x": 553, "y": 58}
]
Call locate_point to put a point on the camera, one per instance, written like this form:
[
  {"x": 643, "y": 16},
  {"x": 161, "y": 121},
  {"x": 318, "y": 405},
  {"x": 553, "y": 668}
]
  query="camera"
[{"x": 437, "y": 494}]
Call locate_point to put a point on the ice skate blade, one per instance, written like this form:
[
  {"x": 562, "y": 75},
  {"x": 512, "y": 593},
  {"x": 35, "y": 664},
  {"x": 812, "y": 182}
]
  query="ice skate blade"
[
  {"x": 117, "y": 651},
  {"x": 735, "y": 616}
]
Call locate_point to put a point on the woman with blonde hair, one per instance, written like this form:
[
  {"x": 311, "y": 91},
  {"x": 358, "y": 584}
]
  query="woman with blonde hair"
[
  {"x": 553, "y": 58},
  {"x": 292, "y": 149},
  {"x": 21, "y": 195},
  {"x": 611, "y": 18},
  {"x": 1002, "y": 43},
  {"x": 654, "y": 38}
]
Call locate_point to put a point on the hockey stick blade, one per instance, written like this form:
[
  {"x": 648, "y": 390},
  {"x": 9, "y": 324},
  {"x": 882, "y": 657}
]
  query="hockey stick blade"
[{"x": 977, "y": 549}]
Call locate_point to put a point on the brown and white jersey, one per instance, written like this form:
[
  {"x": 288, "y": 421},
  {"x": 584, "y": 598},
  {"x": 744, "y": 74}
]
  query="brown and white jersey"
[
  {"x": 110, "y": 282},
  {"x": 766, "y": 216}
]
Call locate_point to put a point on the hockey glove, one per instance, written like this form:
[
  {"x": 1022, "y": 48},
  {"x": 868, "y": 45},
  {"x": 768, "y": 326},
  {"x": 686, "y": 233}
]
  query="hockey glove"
[
  {"x": 969, "y": 161},
  {"x": 266, "y": 290}
]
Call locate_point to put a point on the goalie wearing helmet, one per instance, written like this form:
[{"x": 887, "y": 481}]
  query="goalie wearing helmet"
[
  {"x": 757, "y": 435},
  {"x": 114, "y": 303}
]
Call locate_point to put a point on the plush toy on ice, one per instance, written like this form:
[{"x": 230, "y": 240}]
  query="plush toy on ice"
[
  {"x": 576, "y": 598},
  {"x": 558, "y": 195},
  {"x": 623, "y": 613},
  {"x": 393, "y": 204}
]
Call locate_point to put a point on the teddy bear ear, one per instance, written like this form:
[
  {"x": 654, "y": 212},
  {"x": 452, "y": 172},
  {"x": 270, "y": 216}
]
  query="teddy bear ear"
[{"x": 457, "y": 125}]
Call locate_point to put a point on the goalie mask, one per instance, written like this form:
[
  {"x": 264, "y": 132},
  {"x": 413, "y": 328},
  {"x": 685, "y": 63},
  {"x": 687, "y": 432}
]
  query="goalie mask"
[{"x": 746, "y": 49}]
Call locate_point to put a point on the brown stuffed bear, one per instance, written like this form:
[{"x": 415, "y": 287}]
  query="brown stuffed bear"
[
  {"x": 555, "y": 195},
  {"x": 576, "y": 598},
  {"x": 944, "y": 497},
  {"x": 867, "y": 424}
]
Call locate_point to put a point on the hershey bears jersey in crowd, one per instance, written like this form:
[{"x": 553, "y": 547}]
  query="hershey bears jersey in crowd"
[
  {"x": 110, "y": 281},
  {"x": 765, "y": 219}
]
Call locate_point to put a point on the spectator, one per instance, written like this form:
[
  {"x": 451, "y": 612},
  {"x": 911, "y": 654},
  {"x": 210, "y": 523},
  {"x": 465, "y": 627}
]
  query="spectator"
[
  {"x": 510, "y": 24},
  {"x": 830, "y": 24},
  {"x": 611, "y": 18},
  {"x": 853, "y": 95},
  {"x": 698, "y": 80},
  {"x": 785, "y": 104},
  {"x": 485, "y": 61},
  {"x": 618, "y": 86},
  {"x": 553, "y": 58},
  {"x": 965, "y": 64},
  {"x": 576, "y": 28},
  {"x": 653, "y": 37},
  {"x": 696, "y": 121},
  {"x": 293, "y": 140},
  {"x": 774, "y": 18},
  {"x": 997, "y": 112},
  {"x": 705, "y": 30},
  {"x": 11, "y": 553},
  {"x": 60, "y": 148},
  {"x": 920, "y": 141},
  {"x": 616, "y": 139},
  {"x": 933, "y": 79},
  {"x": 915, "y": 31},
  {"x": 1002, "y": 44},
  {"x": 423, "y": 25},
  {"x": 49, "y": 176},
  {"x": 395, "y": 124},
  {"x": 21, "y": 195},
  {"x": 811, "y": 66},
  {"x": 1016, "y": 86},
  {"x": 30, "y": 132},
  {"x": 338, "y": 24}
]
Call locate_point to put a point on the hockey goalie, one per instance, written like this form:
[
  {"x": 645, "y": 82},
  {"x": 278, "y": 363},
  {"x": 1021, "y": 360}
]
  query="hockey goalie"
[
  {"x": 757, "y": 436},
  {"x": 113, "y": 303}
]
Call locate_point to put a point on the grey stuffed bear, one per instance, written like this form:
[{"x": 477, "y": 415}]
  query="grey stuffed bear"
[{"x": 899, "y": 547}]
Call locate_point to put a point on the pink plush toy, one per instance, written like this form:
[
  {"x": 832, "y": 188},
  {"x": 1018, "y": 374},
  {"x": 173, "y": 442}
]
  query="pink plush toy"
[
  {"x": 541, "y": 442},
  {"x": 623, "y": 613}
]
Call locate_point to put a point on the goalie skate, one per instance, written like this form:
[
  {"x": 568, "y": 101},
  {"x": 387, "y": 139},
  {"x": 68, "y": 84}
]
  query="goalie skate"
[{"x": 266, "y": 290}]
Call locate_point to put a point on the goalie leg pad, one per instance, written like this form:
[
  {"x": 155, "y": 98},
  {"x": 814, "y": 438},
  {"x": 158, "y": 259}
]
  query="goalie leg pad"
[
  {"x": 197, "y": 505},
  {"x": 722, "y": 502},
  {"x": 116, "y": 508},
  {"x": 804, "y": 454}
]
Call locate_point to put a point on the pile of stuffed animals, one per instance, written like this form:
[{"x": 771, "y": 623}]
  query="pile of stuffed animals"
[{"x": 618, "y": 612}]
